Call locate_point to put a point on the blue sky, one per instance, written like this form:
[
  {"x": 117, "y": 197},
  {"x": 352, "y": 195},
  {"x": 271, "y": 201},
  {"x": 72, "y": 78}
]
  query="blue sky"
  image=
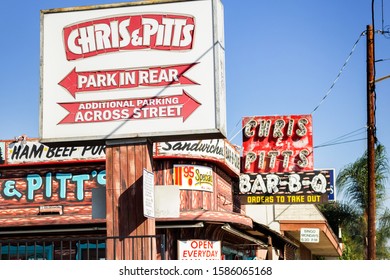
[{"x": 282, "y": 57}]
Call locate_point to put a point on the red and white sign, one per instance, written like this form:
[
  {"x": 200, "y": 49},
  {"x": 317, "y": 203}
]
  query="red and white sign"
[
  {"x": 125, "y": 78},
  {"x": 118, "y": 33},
  {"x": 199, "y": 249},
  {"x": 133, "y": 70},
  {"x": 174, "y": 106},
  {"x": 277, "y": 144}
]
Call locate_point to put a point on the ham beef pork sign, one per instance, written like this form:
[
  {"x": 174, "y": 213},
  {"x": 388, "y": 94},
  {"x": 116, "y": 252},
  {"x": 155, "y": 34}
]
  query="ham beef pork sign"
[{"x": 132, "y": 70}]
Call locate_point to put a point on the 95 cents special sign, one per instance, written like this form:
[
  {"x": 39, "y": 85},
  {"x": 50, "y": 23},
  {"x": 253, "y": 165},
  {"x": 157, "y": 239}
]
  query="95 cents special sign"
[
  {"x": 132, "y": 70},
  {"x": 193, "y": 177}
]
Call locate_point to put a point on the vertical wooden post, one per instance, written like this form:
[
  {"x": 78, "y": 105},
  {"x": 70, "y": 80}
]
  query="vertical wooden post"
[
  {"x": 371, "y": 211},
  {"x": 269, "y": 248},
  {"x": 125, "y": 161}
]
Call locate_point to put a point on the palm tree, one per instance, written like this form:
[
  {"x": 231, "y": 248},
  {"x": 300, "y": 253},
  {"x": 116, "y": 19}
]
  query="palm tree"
[{"x": 351, "y": 213}]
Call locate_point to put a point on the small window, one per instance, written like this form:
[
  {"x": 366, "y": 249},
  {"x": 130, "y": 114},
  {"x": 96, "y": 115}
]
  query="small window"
[
  {"x": 21, "y": 252},
  {"x": 91, "y": 251}
]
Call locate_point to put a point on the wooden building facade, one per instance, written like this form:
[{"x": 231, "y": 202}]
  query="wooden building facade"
[{"x": 63, "y": 191}]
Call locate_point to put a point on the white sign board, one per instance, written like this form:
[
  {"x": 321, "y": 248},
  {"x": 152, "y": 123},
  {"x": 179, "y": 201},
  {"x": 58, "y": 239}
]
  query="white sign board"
[
  {"x": 197, "y": 249},
  {"x": 216, "y": 149},
  {"x": 167, "y": 201},
  {"x": 310, "y": 235},
  {"x": 148, "y": 193},
  {"x": 35, "y": 151},
  {"x": 133, "y": 70}
]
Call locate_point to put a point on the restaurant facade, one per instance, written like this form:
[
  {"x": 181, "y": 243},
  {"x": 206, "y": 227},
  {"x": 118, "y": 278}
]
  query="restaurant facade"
[
  {"x": 58, "y": 193},
  {"x": 132, "y": 160}
]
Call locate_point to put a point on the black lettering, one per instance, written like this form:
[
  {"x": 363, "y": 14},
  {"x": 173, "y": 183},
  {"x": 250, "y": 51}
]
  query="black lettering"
[
  {"x": 169, "y": 146},
  {"x": 15, "y": 152},
  {"x": 72, "y": 149},
  {"x": 95, "y": 150},
  {"x": 36, "y": 152},
  {"x": 50, "y": 152},
  {"x": 66, "y": 151},
  {"x": 86, "y": 149},
  {"x": 58, "y": 152},
  {"x": 25, "y": 152}
]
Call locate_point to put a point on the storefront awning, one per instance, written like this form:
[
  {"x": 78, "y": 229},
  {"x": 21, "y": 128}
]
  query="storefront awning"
[
  {"x": 278, "y": 240},
  {"x": 234, "y": 224},
  {"x": 328, "y": 245},
  {"x": 211, "y": 216}
]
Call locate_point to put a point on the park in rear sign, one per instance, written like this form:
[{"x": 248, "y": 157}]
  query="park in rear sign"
[{"x": 133, "y": 70}]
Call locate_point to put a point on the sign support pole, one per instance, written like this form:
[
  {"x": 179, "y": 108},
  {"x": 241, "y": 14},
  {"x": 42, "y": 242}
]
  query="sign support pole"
[{"x": 125, "y": 162}]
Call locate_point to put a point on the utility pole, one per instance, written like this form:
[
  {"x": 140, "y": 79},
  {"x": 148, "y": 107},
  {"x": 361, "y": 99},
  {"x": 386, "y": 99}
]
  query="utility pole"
[{"x": 371, "y": 213}]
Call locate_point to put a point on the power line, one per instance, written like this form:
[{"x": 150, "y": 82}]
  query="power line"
[
  {"x": 330, "y": 88},
  {"x": 383, "y": 18},
  {"x": 338, "y": 143},
  {"x": 382, "y": 59},
  {"x": 340, "y": 72},
  {"x": 342, "y": 138},
  {"x": 234, "y": 136}
]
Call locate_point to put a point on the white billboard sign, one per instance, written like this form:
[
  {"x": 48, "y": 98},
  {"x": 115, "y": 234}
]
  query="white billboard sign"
[{"x": 132, "y": 70}]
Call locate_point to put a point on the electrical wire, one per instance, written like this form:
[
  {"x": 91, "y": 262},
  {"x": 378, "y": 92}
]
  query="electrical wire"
[
  {"x": 234, "y": 136},
  {"x": 374, "y": 68},
  {"x": 341, "y": 138},
  {"x": 383, "y": 18},
  {"x": 382, "y": 59},
  {"x": 330, "y": 88},
  {"x": 340, "y": 72},
  {"x": 338, "y": 143}
]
